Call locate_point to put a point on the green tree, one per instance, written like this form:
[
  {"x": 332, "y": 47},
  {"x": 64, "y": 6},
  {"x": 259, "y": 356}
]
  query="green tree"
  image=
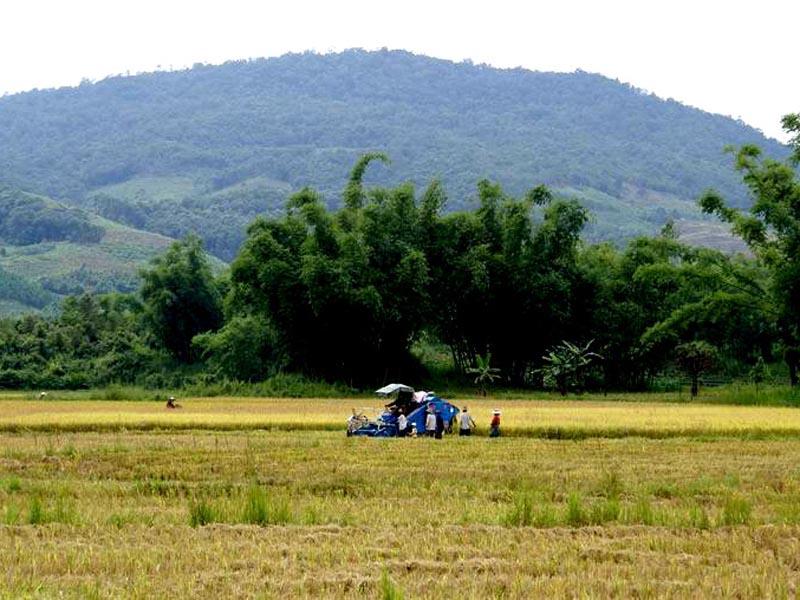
[
  {"x": 244, "y": 349},
  {"x": 506, "y": 278},
  {"x": 181, "y": 298},
  {"x": 771, "y": 228},
  {"x": 344, "y": 293},
  {"x": 696, "y": 358}
]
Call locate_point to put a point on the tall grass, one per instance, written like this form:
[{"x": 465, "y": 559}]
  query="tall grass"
[
  {"x": 575, "y": 515},
  {"x": 256, "y": 508},
  {"x": 11, "y": 484},
  {"x": 253, "y": 507},
  {"x": 35, "y": 512},
  {"x": 520, "y": 513},
  {"x": 201, "y": 513},
  {"x": 388, "y": 589},
  {"x": 61, "y": 512},
  {"x": 736, "y": 511},
  {"x": 752, "y": 395}
]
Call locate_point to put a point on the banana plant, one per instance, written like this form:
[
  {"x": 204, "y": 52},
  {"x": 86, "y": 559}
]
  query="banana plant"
[
  {"x": 485, "y": 373},
  {"x": 565, "y": 364}
]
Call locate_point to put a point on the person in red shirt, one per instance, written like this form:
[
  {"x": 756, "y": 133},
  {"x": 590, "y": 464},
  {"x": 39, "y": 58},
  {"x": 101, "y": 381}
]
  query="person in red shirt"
[{"x": 494, "y": 426}]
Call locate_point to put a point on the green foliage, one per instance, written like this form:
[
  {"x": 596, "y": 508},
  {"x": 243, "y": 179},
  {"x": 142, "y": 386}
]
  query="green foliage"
[
  {"x": 791, "y": 124},
  {"x": 181, "y": 298},
  {"x": 243, "y": 349},
  {"x": 696, "y": 358},
  {"x": 771, "y": 228},
  {"x": 565, "y": 365},
  {"x": 28, "y": 219},
  {"x": 94, "y": 341},
  {"x": 340, "y": 295},
  {"x": 16, "y": 288},
  {"x": 659, "y": 293},
  {"x": 485, "y": 373},
  {"x": 759, "y": 373},
  {"x": 501, "y": 275}
]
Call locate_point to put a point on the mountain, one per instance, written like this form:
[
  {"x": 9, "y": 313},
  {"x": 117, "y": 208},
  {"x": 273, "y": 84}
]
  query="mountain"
[
  {"x": 48, "y": 250},
  {"x": 208, "y": 148}
]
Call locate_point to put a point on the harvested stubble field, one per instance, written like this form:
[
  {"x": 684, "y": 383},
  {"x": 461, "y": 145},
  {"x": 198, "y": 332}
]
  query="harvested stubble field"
[{"x": 109, "y": 499}]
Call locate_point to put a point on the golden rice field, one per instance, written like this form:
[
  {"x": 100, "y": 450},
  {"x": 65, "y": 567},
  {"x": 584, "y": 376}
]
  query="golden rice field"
[
  {"x": 261, "y": 498},
  {"x": 533, "y": 418}
]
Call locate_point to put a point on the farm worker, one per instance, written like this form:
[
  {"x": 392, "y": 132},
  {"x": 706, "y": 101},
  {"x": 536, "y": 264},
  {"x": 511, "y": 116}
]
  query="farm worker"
[
  {"x": 466, "y": 423},
  {"x": 439, "y": 425},
  {"x": 494, "y": 426},
  {"x": 413, "y": 433},
  {"x": 430, "y": 423},
  {"x": 171, "y": 403},
  {"x": 402, "y": 424},
  {"x": 352, "y": 422}
]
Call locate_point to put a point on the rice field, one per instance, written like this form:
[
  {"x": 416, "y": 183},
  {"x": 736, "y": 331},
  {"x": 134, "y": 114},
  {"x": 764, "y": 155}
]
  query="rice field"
[
  {"x": 268, "y": 498},
  {"x": 529, "y": 418}
]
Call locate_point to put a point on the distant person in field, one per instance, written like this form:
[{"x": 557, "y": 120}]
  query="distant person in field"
[
  {"x": 467, "y": 423},
  {"x": 430, "y": 423},
  {"x": 439, "y": 425},
  {"x": 494, "y": 426},
  {"x": 402, "y": 424},
  {"x": 171, "y": 403}
]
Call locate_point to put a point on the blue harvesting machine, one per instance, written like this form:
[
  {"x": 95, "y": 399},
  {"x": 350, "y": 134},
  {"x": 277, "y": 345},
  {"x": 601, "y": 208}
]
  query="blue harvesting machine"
[{"x": 415, "y": 405}]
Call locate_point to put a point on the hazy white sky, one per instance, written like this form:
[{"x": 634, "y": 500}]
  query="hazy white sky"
[{"x": 733, "y": 57}]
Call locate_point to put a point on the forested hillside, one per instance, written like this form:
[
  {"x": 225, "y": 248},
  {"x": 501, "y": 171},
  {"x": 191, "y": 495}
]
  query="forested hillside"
[
  {"x": 48, "y": 250},
  {"x": 209, "y": 148}
]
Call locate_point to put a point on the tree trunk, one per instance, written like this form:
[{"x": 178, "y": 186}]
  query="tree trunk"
[
  {"x": 793, "y": 373},
  {"x": 695, "y": 385}
]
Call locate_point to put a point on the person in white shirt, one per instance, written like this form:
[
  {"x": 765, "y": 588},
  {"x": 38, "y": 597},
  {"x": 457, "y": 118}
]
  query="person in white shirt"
[
  {"x": 430, "y": 424},
  {"x": 402, "y": 425},
  {"x": 466, "y": 423}
]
